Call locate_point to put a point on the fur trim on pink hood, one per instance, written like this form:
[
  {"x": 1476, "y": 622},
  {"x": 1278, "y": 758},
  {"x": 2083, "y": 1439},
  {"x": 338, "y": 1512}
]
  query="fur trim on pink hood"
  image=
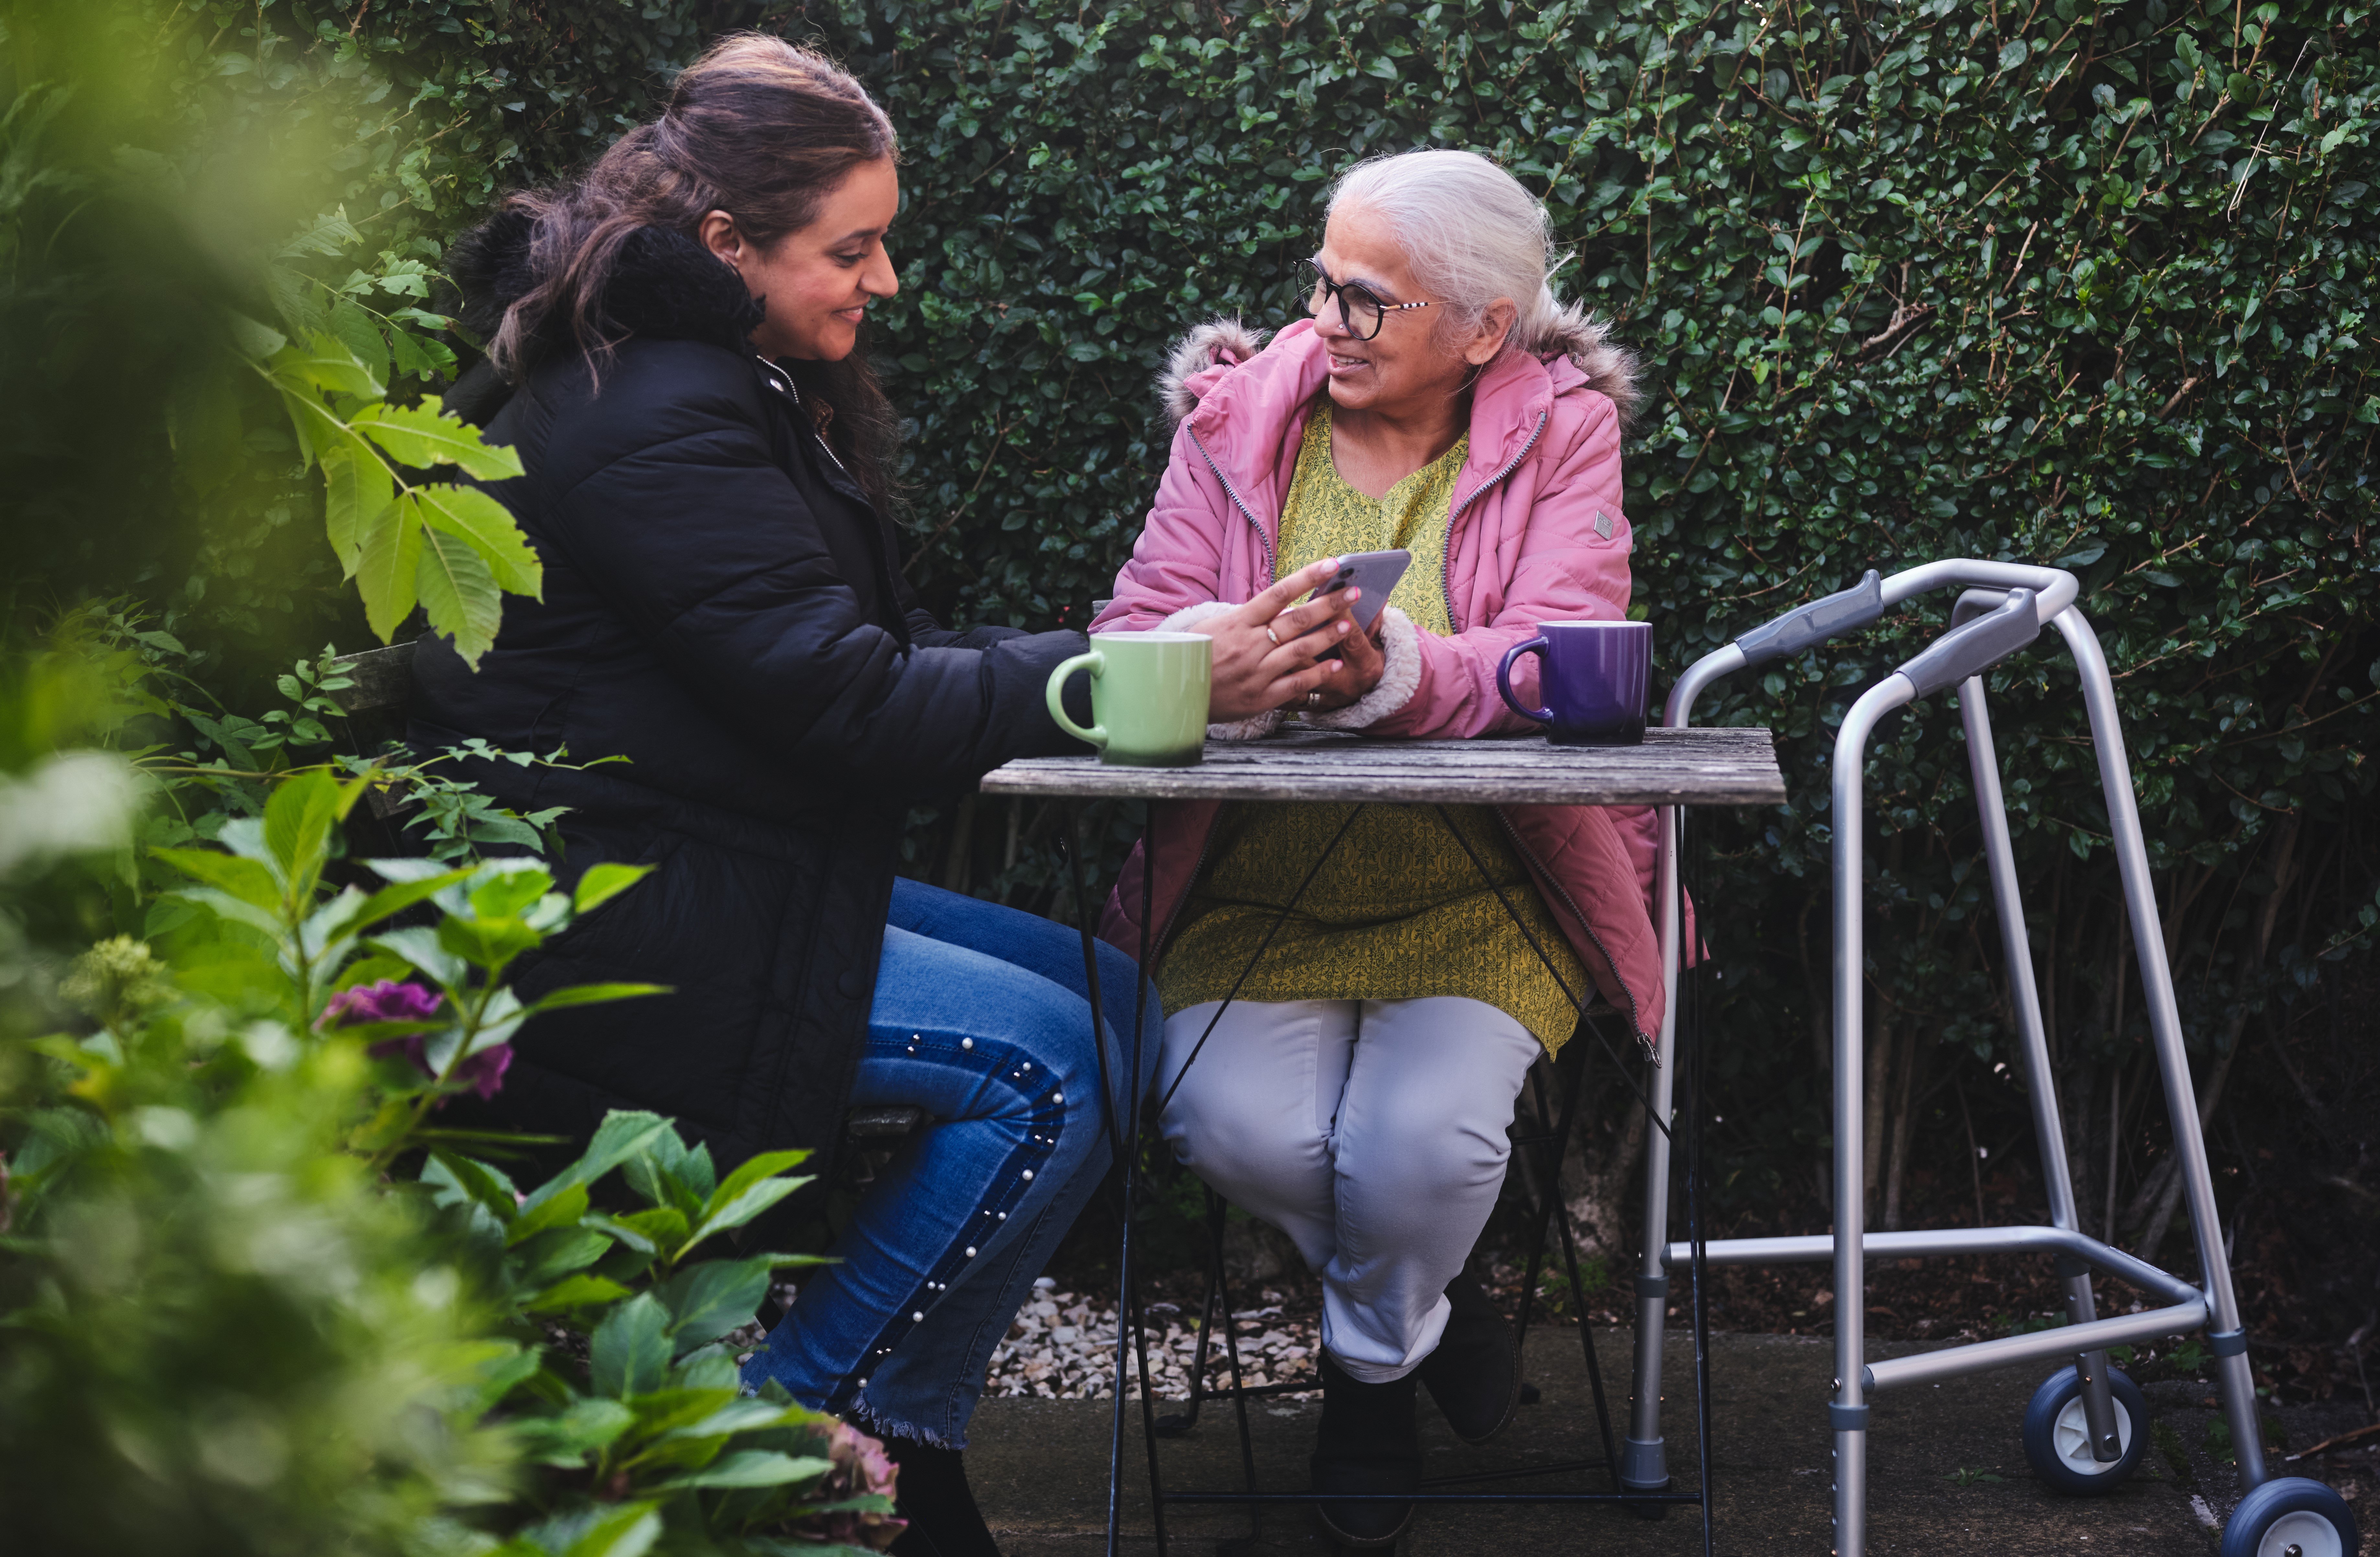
[{"x": 1538, "y": 535}]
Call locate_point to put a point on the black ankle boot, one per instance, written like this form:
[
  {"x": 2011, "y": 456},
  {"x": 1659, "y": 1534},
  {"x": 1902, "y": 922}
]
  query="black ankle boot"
[
  {"x": 1474, "y": 1375},
  {"x": 1368, "y": 1444},
  {"x": 932, "y": 1495}
]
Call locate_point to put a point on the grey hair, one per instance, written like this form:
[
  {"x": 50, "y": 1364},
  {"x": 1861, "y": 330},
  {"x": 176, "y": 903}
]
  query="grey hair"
[{"x": 1471, "y": 234}]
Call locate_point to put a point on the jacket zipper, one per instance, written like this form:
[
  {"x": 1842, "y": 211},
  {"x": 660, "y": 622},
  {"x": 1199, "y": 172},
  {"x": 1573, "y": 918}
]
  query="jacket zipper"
[
  {"x": 1229, "y": 491},
  {"x": 1446, "y": 555},
  {"x": 793, "y": 392},
  {"x": 1635, "y": 1016},
  {"x": 776, "y": 379}
]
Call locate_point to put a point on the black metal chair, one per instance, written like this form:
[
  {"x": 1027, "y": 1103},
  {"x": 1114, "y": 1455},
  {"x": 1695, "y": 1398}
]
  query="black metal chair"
[
  {"x": 1649, "y": 1504},
  {"x": 1543, "y": 1122}
]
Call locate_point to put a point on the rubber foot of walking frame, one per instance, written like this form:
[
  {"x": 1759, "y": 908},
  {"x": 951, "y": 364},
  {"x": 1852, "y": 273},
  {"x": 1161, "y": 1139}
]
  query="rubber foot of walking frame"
[{"x": 1645, "y": 1467}]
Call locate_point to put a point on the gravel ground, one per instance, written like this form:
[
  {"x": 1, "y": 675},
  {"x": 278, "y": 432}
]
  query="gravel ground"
[
  {"x": 1063, "y": 1347},
  {"x": 1062, "y": 1344}
]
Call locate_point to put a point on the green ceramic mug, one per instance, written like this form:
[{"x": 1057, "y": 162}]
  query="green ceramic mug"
[{"x": 1148, "y": 696}]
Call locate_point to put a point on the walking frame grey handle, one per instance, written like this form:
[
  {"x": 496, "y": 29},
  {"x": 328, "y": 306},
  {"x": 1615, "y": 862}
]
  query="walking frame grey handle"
[
  {"x": 2053, "y": 590},
  {"x": 1976, "y": 648},
  {"x": 1844, "y": 611}
]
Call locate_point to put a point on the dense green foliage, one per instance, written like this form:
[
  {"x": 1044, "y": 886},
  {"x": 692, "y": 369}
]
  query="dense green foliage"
[
  {"x": 253, "y": 1297},
  {"x": 403, "y": 540},
  {"x": 2072, "y": 283}
]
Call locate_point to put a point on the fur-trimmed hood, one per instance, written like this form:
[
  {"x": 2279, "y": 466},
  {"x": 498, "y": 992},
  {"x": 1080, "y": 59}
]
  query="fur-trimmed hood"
[
  {"x": 1218, "y": 343},
  {"x": 1611, "y": 368},
  {"x": 664, "y": 285}
]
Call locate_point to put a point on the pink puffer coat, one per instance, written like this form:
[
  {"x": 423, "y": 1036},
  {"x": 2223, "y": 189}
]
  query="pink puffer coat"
[{"x": 1537, "y": 536}]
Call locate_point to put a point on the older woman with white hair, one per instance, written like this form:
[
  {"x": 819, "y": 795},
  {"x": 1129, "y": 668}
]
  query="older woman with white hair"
[{"x": 1357, "y": 1090}]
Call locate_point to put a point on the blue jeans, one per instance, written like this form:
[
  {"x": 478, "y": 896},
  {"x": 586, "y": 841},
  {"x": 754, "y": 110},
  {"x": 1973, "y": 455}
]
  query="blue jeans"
[{"x": 982, "y": 1019}]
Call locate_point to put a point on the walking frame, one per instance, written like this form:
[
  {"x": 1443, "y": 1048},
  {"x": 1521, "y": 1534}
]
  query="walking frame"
[{"x": 2004, "y": 609}]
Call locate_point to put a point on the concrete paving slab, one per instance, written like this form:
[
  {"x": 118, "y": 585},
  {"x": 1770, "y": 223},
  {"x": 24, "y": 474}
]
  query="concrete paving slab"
[{"x": 1947, "y": 1473}]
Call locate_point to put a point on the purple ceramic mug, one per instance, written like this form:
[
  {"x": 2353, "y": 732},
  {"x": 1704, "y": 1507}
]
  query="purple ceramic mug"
[{"x": 1594, "y": 679}]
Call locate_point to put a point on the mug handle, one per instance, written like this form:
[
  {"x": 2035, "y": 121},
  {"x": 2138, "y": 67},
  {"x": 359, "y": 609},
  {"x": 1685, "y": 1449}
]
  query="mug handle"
[
  {"x": 1096, "y": 663},
  {"x": 1504, "y": 678}
]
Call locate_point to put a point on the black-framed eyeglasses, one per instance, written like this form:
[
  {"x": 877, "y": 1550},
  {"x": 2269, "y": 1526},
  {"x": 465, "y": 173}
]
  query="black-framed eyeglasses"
[{"x": 1360, "y": 310}]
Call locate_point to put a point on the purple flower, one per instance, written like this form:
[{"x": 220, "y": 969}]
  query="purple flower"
[
  {"x": 392, "y": 1000},
  {"x": 387, "y": 1001}
]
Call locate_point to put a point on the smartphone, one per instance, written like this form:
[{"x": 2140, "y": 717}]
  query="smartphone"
[{"x": 1375, "y": 573}]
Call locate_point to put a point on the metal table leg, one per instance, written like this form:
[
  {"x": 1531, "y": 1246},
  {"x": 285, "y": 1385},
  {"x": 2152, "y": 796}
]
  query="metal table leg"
[
  {"x": 1125, "y": 1146},
  {"x": 1645, "y": 1463},
  {"x": 1652, "y": 1293}
]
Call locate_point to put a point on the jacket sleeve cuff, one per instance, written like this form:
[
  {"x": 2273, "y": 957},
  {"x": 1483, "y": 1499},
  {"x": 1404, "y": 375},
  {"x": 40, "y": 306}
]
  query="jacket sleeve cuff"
[
  {"x": 1256, "y": 725},
  {"x": 1191, "y": 615},
  {"x": 1401, "y": 641}
]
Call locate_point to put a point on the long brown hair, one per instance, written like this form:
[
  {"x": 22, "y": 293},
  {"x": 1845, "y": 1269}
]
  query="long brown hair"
[{"x": 756, "y": 127}]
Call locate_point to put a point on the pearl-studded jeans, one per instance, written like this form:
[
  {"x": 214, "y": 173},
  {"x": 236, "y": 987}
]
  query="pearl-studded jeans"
[{"x": 982, "y": 1018}]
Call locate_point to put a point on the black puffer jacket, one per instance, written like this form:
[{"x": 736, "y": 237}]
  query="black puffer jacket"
[{"x": 724, "y": 609}]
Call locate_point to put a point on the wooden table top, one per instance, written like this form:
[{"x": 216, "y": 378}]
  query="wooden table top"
[{"x": 1718, "y": 766}]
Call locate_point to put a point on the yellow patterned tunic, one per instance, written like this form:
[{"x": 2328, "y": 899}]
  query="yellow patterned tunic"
[{"x": 1399, "y": 911}]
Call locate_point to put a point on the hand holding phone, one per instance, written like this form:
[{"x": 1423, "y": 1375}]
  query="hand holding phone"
[
  {"x": 1375, "y": 573},
  {"x": 1267, "y": 649}
]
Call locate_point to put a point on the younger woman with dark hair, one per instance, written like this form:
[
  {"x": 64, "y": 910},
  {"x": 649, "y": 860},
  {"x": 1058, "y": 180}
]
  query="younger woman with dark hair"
[{"x": 672, "y": 352}]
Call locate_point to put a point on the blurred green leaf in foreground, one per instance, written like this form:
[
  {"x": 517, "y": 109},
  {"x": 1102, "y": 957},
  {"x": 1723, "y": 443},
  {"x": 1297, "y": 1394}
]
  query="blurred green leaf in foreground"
[{"x": 255, "y": 1299}]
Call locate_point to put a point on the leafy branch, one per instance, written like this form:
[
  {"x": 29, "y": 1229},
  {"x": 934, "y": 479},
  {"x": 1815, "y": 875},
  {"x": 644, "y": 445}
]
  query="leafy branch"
[{"x": 452, "y": 549}]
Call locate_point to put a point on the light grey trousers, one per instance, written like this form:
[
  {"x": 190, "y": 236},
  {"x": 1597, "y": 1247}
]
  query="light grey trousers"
[{"x": 1373, "y": 1132}]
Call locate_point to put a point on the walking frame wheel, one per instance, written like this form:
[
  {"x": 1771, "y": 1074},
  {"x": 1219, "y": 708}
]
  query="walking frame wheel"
[
  {"x": 2292, "y": 1517},
  {"x": 2057, "y": 1438}
]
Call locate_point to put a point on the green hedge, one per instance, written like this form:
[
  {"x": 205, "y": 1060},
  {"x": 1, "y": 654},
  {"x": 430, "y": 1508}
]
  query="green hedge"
[
  {"x": 2072, "y": 284},
  {"x": 2060, "y": 282}
]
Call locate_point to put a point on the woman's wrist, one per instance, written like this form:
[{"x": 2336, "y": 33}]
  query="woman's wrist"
[
  {"x": 1189, "y": 616},
  {"x": 1393, "y": 688}
]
